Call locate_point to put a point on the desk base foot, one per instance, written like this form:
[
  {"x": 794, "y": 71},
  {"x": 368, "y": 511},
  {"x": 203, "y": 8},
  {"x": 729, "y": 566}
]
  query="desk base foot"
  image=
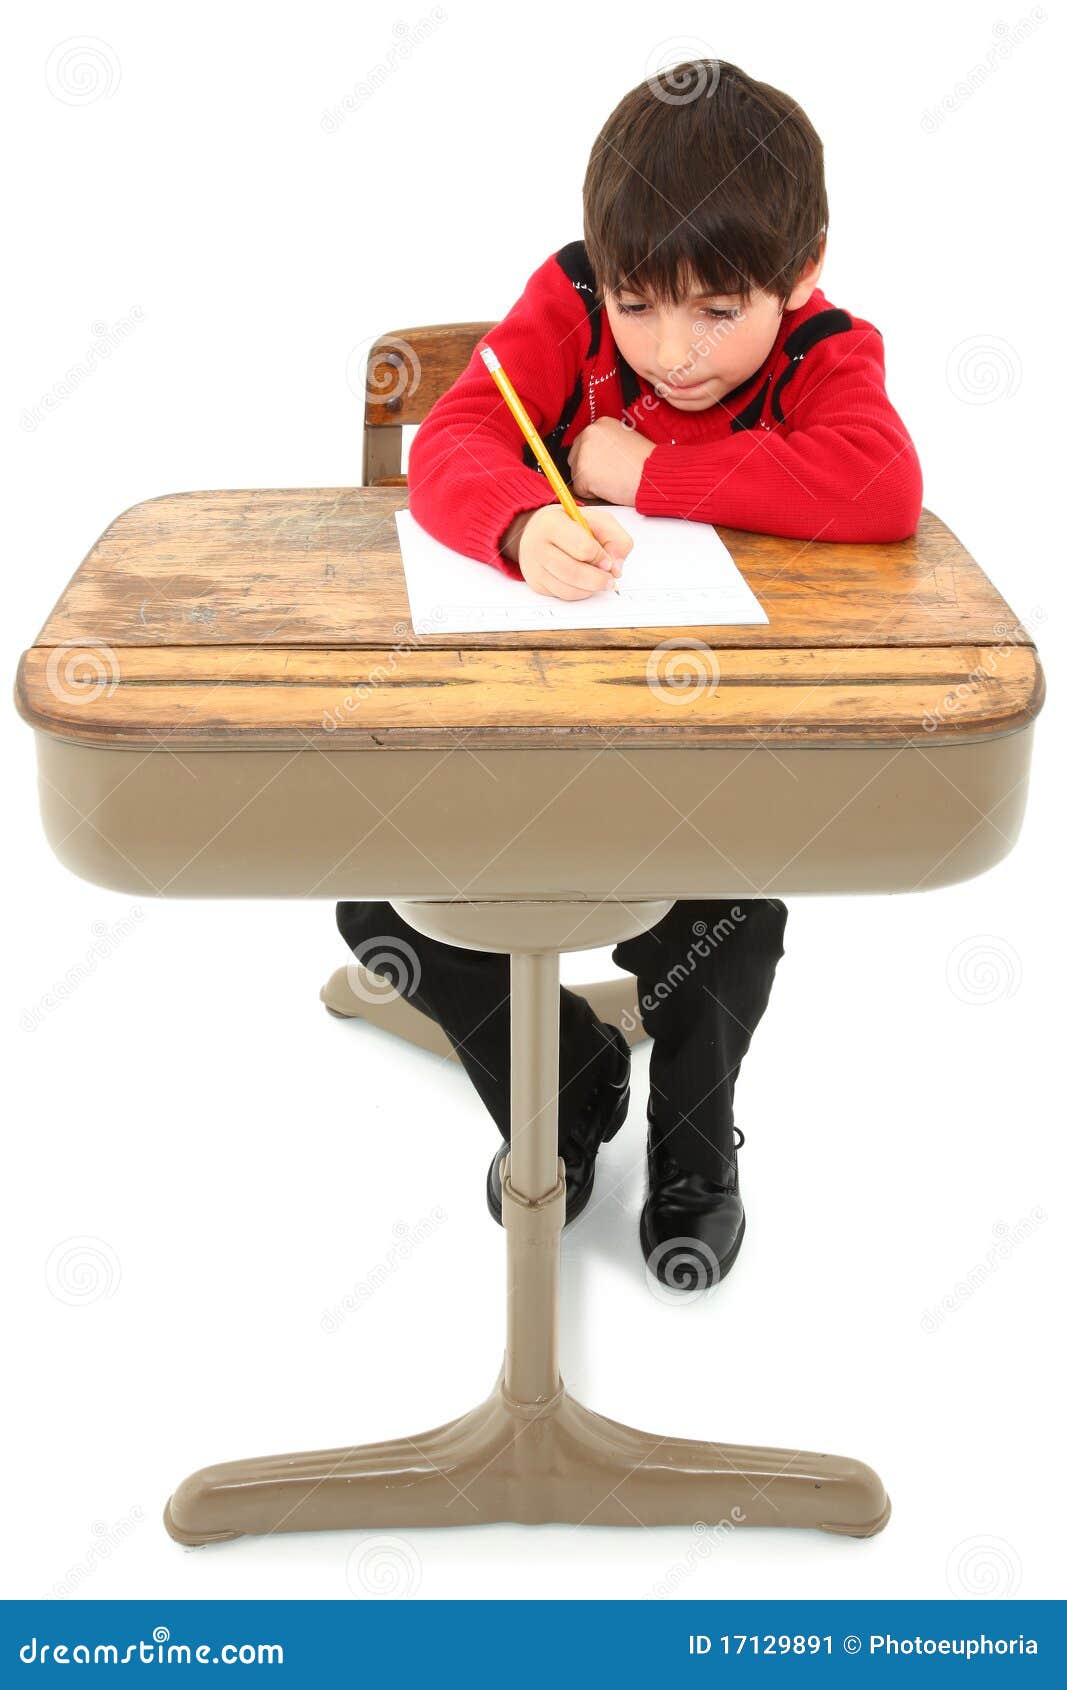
[
  {"x": 533, "y": 1464},
  {"x": 353, "y": 993}
]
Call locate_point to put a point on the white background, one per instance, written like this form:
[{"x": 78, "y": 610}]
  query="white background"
[{"x": 239, "y": 1161}]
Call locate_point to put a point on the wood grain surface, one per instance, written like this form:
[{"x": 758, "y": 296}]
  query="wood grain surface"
[{"x": 279, "y": 617}]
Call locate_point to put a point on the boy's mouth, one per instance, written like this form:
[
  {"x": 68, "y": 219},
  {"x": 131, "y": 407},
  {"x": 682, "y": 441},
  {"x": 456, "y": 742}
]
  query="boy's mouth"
[{"x": 682, "y": 388}]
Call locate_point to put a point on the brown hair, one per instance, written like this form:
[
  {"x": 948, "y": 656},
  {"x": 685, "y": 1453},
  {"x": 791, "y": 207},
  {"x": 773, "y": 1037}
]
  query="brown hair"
[{"x": 703, "y": 177}]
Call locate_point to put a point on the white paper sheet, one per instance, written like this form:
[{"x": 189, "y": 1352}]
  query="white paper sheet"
[{"x": 679, "y": 574}]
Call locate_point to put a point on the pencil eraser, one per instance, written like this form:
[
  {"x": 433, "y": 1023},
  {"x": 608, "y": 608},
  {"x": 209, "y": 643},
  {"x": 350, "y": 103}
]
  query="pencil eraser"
[{"x": 490, "y": 359}]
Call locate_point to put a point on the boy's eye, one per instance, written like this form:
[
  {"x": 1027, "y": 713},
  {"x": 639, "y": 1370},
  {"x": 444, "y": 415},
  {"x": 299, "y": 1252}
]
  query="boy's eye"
[{"x": 639, "y": 310}]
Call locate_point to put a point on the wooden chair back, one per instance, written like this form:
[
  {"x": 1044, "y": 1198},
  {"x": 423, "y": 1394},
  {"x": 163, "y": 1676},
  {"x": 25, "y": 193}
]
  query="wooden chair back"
[{"x": 406, "y": 373}]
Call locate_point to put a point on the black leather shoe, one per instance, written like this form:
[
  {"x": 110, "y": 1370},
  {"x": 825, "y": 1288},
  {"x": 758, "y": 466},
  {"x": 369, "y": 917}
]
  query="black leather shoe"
[
  {"x": 691, "y": 1225},
  {"x": 602, "y": 1115}
]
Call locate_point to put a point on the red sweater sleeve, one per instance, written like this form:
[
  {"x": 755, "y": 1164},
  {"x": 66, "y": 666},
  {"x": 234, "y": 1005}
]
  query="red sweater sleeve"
[
  {"x": 466, "y": 477},
  {"x": 841, "y": 466}
]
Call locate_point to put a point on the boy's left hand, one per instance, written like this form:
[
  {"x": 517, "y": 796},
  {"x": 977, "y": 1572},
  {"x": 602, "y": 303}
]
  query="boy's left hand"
[{"x": 606, "y": 461}]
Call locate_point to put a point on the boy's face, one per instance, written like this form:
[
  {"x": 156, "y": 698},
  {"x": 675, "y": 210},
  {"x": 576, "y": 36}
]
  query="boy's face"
[{"x": 695, "y": 353}]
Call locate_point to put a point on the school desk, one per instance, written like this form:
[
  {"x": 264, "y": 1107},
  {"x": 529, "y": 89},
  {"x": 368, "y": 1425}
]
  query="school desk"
[{"x": 228, "y": 702}]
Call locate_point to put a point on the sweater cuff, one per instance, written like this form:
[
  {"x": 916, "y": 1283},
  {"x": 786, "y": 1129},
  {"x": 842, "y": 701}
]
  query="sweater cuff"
[
  {"x": 511, "y": 493},
  {"x": 675, "y": 482}
]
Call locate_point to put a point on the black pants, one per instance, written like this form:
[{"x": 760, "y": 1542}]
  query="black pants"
[{"x": 704, "y": 976}]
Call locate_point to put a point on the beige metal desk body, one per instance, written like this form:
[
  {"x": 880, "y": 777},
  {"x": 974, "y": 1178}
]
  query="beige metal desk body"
[{"x": 229, "y": 701}]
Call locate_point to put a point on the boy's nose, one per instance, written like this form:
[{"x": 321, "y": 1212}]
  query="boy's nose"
[{"x": 677, "y": 360}]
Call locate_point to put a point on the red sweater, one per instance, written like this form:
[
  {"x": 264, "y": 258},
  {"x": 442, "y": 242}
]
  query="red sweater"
[{"x": 809, "y": 446}]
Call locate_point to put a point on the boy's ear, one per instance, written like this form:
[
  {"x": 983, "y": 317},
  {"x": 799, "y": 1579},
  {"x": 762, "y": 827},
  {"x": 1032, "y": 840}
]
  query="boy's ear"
[{"x": 808, "y": 280}]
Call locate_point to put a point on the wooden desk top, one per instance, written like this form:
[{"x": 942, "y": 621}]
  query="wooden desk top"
[{"x": 278, "y": 618}]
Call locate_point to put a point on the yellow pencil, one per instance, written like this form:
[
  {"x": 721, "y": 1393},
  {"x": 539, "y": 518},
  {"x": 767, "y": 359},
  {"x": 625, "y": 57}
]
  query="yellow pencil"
[{"x": 537, "y": 445}]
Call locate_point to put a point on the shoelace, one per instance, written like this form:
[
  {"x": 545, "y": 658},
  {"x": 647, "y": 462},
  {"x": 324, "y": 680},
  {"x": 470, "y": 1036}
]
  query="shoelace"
[
  {"x": 594, "y": 1108},
  {"x": 672, "y": 1168}
]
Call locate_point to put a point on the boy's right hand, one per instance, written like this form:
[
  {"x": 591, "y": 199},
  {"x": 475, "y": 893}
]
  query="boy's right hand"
[{"x": 557, "y": 556}]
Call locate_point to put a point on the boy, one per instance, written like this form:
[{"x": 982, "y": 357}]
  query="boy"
[{"x": 681, "y": 360}]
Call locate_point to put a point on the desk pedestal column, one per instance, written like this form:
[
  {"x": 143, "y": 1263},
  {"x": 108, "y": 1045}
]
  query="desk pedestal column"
[
  {"x": 533, "y": 1183},
  {"x": 530, "y": 1452}
]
